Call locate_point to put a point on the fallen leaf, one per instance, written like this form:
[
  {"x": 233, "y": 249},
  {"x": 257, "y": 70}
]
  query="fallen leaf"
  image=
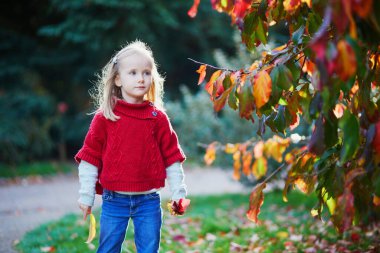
[
  {"x": 92, "y": 229},
  {"x": 47, "y": 249}
]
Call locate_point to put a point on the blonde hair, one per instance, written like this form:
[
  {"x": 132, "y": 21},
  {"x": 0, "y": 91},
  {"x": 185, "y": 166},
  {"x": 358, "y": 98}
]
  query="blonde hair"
[{"x": 105, "y": 90}]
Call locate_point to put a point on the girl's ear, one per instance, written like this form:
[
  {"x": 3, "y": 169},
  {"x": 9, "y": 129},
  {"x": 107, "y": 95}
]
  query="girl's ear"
[{"x": 117, "y": 81}]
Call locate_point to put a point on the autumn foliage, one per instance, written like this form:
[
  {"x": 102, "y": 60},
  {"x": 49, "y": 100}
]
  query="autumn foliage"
[{"x": 328, "y": 73}]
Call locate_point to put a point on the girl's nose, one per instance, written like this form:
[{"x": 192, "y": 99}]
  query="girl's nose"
[{"x": 141, "y": 79}]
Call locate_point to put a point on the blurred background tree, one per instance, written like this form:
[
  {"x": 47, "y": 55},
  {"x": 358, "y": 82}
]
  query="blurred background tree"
[{"x": 51, "y": 51}]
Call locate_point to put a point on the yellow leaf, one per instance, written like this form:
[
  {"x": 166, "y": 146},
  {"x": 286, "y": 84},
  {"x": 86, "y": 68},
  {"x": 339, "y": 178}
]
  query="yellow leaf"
[
  {"x": 346, "y": 60},
  {"x": 231, "y": 148},
  {"x": 247, "y": 159},
  {"x": 202, "y": 73},
  {"x": 237, "y": 165},
  {"x": 260, "y": 167},
  {"x": 262, "y": 88},
  {"x": 291, "y": 5},
  {"x": 282, "y": 234},
  {"x": 210, "y": 84},
  {"x": 305, "y": 184},
  {"x": 308, "y": 2},
  {"x": 314, "y": 212},
  {"x": 330, "y": 202},
  {"x": 338, "y": 110},
  {"x": 92, "y": 229},
  {"x": 210, "y": 155},
  {"x": 275, "y": 147},
  {"x": 258, "y": 149},
  {"x": 376, "y": 200}
]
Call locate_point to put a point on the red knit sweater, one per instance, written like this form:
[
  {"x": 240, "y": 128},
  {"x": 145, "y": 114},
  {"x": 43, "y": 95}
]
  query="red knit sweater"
[{"x": 132, "y": 153}]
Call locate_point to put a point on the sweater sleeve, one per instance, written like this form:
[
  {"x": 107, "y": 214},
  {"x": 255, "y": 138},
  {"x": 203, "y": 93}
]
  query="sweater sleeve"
[
  {"x": 91, "y": 150},
  {"x": 168, "y": 142},
  {"x": 176, "y": 180}
]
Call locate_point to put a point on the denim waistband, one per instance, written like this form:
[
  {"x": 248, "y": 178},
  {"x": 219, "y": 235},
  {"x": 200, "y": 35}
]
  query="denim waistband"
[{"x": 116, "y": 194}]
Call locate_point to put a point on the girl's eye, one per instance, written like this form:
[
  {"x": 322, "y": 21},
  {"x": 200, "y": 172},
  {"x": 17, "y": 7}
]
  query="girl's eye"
[
  {"x": 132, "y": 72},
  {"x": 147, "y": 73}
]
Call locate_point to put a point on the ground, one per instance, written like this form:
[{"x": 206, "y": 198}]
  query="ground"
[{"x": 28, "y": 203}]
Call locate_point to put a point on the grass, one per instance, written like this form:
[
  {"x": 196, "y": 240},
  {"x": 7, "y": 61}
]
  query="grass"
[
  {"x": 45, "y": 168},
  {"x": 218, "y": 224}
]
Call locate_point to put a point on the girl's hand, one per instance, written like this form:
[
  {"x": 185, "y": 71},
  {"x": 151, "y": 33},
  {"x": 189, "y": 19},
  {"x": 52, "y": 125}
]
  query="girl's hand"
[
  {"x": 178, "y": 207},
  {"x": 85, "y": 209}
]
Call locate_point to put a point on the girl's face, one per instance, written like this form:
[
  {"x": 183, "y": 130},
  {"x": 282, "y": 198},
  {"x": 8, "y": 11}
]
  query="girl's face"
[{"x": 134, "y": 77}]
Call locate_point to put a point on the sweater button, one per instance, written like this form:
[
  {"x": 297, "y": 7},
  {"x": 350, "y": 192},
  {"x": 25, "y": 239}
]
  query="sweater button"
[{"x": 154, "y": 113}]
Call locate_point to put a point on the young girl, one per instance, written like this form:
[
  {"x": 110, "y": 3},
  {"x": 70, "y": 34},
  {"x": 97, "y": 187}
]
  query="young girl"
[{"x": 129, "y": 151}]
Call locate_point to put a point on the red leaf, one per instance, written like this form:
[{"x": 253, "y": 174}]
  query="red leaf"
[
  {"x": 317, "y": 141},
  {"x": 194, "y": 9},
  {"x": 376, "y": 139},
  {"x": 255, "y": 202},
  {"x": 210, "y": 84},
  {"x": 355, "y": 237},
  {"x": 220, "y": 102},
  {"x": 179, "y": 238},
  {"x": 246, "y": 102},
  {"x": 362, "y": 7},
  {"x": 180, "y": 207},
  {"x": 241, "y": 7},
  {"x": 344, "y": 212},
  {"x": 319, "y": 42},
  {"x": 47, "y": 249}
]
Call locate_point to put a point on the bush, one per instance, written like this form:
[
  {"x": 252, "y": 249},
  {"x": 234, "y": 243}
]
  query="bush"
[{"x": 25, "y": 120}]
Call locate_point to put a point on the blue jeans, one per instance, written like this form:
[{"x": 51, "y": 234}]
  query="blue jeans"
[{"x": 146, "y": 214}]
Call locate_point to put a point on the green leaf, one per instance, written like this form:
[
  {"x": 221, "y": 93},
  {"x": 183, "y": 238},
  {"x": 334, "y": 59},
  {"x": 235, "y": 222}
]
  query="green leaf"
[
  {"x": 246, "y": 101},
  {"x": 297, "y": 35},
  {"x": 350, "y": 127},
  {"x": 232, "y": 100},
  {"x": 281, "y": 77},
  {"x": 313, "y": 23},
  {"x": 269, "y": 121},
  {"x": 315, "y": 105},
  {"x": 261, "y": 32},
  {"x": 261, "y": 129},
  {"x": 331, "y": 130},
  {"x": 280, "y": 120},
  {"x": 227, "y": 82},
  {"x": 250, "y": 25},
  {"x": 295, "y": 69},
  {"x": 330, "y": 96}
]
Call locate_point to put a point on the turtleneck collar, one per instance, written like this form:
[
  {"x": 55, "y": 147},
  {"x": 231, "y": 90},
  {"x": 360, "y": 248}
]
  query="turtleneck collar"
[{"x": 144, "y": 110}]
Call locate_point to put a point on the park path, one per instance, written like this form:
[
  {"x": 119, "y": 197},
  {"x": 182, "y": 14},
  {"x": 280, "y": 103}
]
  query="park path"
[{"x": 31, "y": 202}]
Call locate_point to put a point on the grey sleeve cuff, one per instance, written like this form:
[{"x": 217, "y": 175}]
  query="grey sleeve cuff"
[
  {"x": 88, "y": 175},
  {"x": 176, "y": 180}
]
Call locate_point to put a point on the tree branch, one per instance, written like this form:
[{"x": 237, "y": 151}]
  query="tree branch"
[
  {"x": 213, "y": 67},
  {"x": 273, "y": 173}
]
